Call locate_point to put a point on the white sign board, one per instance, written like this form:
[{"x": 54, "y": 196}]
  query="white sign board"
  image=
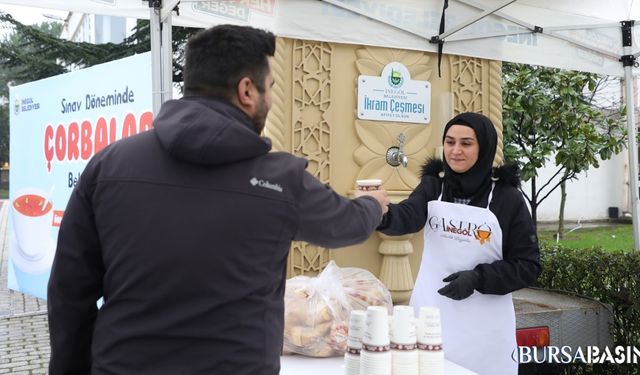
[
  {"x": 57, "y": 124},
  {"x": 394, "y": 96}
]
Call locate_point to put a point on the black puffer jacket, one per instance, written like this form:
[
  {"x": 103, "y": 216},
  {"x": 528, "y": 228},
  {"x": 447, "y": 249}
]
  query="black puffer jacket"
[
  {"x": 185, "y": 231},
  {"x": 520, "y": 266}
]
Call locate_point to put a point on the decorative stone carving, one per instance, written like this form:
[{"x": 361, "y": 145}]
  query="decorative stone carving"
[
  {"x": 306, "y": 259},
  {"x": 277, "y": 123},
  {"x": 477, "y": 87},
  {"x": 495, "y": 106},
  {"x": 311, "y": 112}
]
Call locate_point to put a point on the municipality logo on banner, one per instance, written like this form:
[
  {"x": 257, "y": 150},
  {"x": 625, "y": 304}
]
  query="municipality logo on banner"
[{"x": 25, "y": 105}]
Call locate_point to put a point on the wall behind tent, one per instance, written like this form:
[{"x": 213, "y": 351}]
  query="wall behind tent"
[
  {"x": 589, "y": 197},
  {"x": 94, "y": 28},
  {"x": 56, "y": 125}
]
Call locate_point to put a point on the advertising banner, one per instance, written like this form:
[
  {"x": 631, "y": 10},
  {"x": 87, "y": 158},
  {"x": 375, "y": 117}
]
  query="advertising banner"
[{"x": 56, "y": 125}]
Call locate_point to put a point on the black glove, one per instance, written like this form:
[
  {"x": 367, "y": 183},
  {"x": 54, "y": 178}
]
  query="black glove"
[{"x": 461, "y": 284}]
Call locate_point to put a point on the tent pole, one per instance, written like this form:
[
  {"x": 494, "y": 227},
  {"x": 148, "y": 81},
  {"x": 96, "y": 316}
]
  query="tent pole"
[
  {"x": 156, "y": 57},
  {"x": 167, "y": 58},
  {"x": 633, "y": 154},
  {"x": 628, "y": 63}
]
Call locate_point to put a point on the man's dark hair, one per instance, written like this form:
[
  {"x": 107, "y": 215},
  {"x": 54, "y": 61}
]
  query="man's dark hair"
[{"x": 218, "y": 57}]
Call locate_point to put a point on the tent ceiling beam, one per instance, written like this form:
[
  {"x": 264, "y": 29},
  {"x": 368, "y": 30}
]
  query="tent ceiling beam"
[
  {"x": 499, "y": 14},
  {"x": 583, "y": 45},
  {"x": 488, "y": 35},
  {"x": 582, "y": 27},
  {"x": 474, "y": 19},
  {"x": 535, "y": 29}
]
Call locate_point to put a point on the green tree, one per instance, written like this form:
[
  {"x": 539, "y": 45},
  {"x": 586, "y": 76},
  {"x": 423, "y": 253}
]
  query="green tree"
[
  {"x": 36, "y": 52},
  {"x": 12, "y": 47},
  {"x": 551, "y": 115}
]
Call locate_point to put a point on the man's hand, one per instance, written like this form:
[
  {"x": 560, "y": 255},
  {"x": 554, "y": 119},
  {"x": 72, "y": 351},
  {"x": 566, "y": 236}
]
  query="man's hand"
[
  {"x": 380, "y": 195},
  {"x": 461, "y": 284}
]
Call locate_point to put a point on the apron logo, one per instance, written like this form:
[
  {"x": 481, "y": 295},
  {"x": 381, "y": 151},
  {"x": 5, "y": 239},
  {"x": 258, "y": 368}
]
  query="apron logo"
[{"x": 483, "y": 234}]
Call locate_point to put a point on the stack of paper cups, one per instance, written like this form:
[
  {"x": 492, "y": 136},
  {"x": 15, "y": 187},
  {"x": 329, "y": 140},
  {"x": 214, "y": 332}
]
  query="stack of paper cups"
[
  {"x": 375, "y": 357},
  {"x": 404, "y": 355},
  {"x": 354, "y": 342},
  {"x": 430, "y": 353}
]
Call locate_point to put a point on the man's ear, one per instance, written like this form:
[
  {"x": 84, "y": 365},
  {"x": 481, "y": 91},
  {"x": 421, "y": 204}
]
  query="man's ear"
[{"x": 245, "y": 93}]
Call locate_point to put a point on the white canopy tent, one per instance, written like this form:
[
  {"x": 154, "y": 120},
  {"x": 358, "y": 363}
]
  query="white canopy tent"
[{"x": 587, "y": 35}]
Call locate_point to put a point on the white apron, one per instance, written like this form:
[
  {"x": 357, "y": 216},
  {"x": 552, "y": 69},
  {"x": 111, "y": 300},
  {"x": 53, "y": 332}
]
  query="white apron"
[{"x": 478, "y": 332}]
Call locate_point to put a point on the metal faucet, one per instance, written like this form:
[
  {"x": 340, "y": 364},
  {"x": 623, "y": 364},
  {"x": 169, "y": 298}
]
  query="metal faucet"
[{"x": 395, "y": 155}]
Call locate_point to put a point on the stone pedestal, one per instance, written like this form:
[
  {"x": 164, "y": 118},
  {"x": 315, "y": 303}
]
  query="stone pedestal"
[{"x": 395, "y": 271}]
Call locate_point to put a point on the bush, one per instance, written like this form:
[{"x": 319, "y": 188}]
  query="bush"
[{"x": 609, "y": 277}]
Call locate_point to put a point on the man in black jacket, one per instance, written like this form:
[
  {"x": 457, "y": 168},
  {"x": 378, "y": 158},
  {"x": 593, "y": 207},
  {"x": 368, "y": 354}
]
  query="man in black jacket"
[{"x": 185, "y": 230}]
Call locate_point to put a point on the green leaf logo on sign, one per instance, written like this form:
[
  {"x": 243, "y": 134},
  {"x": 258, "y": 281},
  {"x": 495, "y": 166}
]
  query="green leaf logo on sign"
[{"x": 395, "y": 79}]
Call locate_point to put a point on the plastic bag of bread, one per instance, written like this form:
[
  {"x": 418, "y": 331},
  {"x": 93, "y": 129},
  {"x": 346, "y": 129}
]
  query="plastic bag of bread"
[{"x": 317, "y": 309}]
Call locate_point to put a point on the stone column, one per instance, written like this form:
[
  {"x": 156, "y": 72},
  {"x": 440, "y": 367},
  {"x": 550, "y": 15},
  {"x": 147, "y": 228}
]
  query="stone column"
[{"x": 395, "y": 271}]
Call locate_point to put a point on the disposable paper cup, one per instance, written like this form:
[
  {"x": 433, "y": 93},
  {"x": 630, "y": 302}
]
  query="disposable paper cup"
[
  {"x": 429, "y": 326},
  {"x": 404, "y": 329},
  {"x": 371, "y": 184},
  {"x": 431, "y": 363},
  {"x": 405, "y": 363},
  {"x": 351, "y": 364},
  {"x": 32, "y": 221},
  {"x": 376, "y": 332},
  {"x": 375, "y": 363},
  {"x": 357, "y": 321},
  {"x": 405, "y": 357}
]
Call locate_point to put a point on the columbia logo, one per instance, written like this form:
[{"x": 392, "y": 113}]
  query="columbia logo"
[{"x": 265, "y": 184}]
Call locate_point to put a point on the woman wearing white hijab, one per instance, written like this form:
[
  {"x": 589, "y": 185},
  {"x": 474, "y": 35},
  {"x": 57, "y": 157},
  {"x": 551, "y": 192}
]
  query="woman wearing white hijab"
[{"x": 480, "y": 245}]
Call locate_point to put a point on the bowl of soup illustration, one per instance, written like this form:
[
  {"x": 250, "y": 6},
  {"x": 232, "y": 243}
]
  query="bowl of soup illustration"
[
  {"x": 483, "y": 235},
  {"x": 32, "y": 215}
]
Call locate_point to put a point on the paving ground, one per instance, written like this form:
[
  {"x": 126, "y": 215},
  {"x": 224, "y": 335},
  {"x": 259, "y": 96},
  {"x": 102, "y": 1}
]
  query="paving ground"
[{"x": 24, "y": 334}]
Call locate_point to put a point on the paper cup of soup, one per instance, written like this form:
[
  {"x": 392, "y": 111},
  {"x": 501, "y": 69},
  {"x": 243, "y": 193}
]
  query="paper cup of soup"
[
  {"x": 370, "y": 184},
  {"x": 32, "y": 215}
]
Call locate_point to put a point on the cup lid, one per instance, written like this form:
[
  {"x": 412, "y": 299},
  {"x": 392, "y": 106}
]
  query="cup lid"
[{"x": 369, "y": 182}]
